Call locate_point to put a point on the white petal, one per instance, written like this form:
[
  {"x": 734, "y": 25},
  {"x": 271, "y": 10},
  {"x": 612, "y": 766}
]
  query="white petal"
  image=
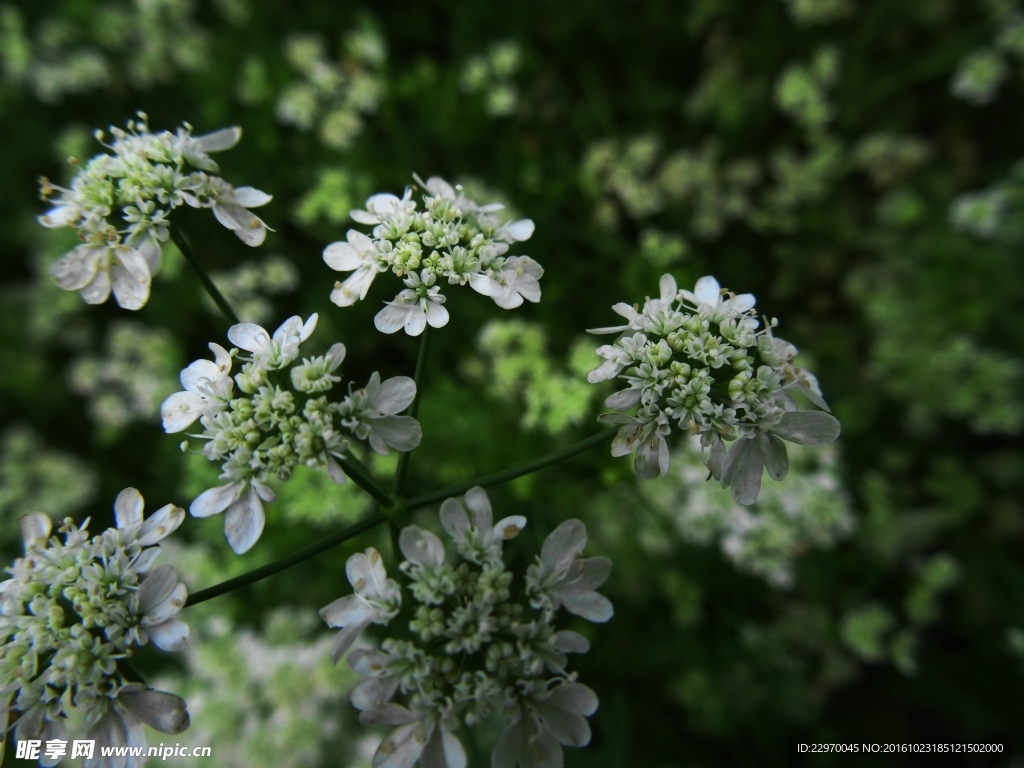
[
  {"x": 163, "y": 711},
  {"x": 652, "y": 457},
  {"x": 341, "y": 256},
  {"x": 629, "y": 437},
  {"x": 145, "y": 560},
  {"x": 215, "y": 500},
  {"x": 389, "y": 714},
  {"x": 180, "y": 410},
  {"x": 420, "y": 546},
  {"x": 509, "y": 527},
  {"x": 171, "y": 635},
  {"x": 742, "y": 303},
  {"x": 591, "y": 606},
  {"x": 415, "y": 322},
  {"x": 243, "y": 522},
  {"x": 609, "y": 369},
  {"x": 363, "y": 217},
  {"x": 354, "y": 288},
  {"x": 345, "y": 611},
  {"x": 391, "y": 318},
  {"x": 334, "y": 471},
  {"x": 167, "y": 608},
  {"x": 35, "y": 526},
  {"x": 156, "y": 587},
  {"x": 403, "y": 433},
  {"x": 623, "y": 400},
  {"x": 480, "y": 506},
  {"x": 309, "y": 326},
  {"x": 345, "y": 638},
  {"x": 519, "y": 230},
  {"x": 130, "y": 277},
  {"x": 443, "y": 750},
  {"x": 587, "y": 575},
  {"x": 744, "y": 465},
  {"x": 454, "y": 519},
  {"x": 128, "y": 508},
  {"x": 76, "y": 269},
  {"x": 402, "y": 748},
  {"x": 776, "y": 461},
  {"x": 248, "y": 197},
  {"x": 150, "y": 250},
  {"x": 485, "y": 285},
  {"x": 707, "y": 291},
  {"x": 667, "y": 286},
  {"x": 98, "y": 291},
  {"x": 437, "y": 315},
  {"x": 374, "y": 693},
  {"x": 808, "y": 427},
  {"x": 164, "y": 522},
  {"x": 563, "y": 545},
  {"x": 394, "y": 396},
  {"x": 218, "y": 141},
  {"x": 249, "y": 336},
  {"x": 568, "y": 641}
]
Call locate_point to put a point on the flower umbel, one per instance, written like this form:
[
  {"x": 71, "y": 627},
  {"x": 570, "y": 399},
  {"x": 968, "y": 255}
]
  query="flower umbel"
[
  {"x": 453, "y": 237},
  {"x": 280, "y": 418},
  {"x": 70, "y": 617},
  {"x": 119, "y": 203},
  {"x": 695, "y": 359},
  {"x": 475, "y": 651}
]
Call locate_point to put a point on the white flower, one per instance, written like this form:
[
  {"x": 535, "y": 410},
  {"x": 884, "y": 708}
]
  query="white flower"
[
  {"x": 560, "y": 578},
  {"x": 156, "y": 603},
  {"x": 381, "y": 206},
  {"x": 414, "y": 308},
  {"x": 128, "y": 507},
  {"x": 277, "y": 351},
  {"x": 232, "y": 210},
  {"x": 370, "y": 414},
  {"x": 478, "y": 540},
  {"x": 358, "y": 254},
  {"x": 195, "y": 148},
  {"x": 546, "y": 720},
  {"x": 241, "y": 502},
  {"x": 641, "y": 321},
  {"x": 207, "y": 386},
  {"x": 644, "y": 433},
  {"x": 377, "y": 600},
  {"x": 93, "y": 270},
  {"x": 418, "y": 737},
  {"x": 117, "y": 722},
  {"x": 707, "y": 297},
  {"x": 518, "y": 279}
]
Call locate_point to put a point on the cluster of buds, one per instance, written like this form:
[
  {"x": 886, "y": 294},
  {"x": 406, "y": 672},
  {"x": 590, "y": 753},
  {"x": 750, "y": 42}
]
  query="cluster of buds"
[
  {"x": 119, "y": 203},
  {"x": 473, "y": 651},
  {"x": 279, "y": 418},
  {"x": 70, "y": 617},
  {"x": 695, "y": 359},
  {"x": 452, "y": 238}
]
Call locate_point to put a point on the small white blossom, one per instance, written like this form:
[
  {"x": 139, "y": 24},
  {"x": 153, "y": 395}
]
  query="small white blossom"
[
  {"x": 695, "y": 359},
  {"x": 71, "y": 616},
  {"x": 452, "y": 237},
  {"x": 377, "y": 600},
  {"x": 476, "y": 652},
  {"x": 140, "y": 183},
  {"x": 277, "y": 422}
]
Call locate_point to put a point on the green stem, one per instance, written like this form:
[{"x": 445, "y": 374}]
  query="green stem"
[
  {"x": 361, "y": 476},
  {"x": 208, "y": 285},
  {"x": 414, "y": 408},
  {"x": 514, "y": 472},
  {"x": 368, "y": 522}
]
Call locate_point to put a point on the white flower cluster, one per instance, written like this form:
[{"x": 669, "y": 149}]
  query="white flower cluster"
[
  {"x": 452, "y": 237},
  {"x": 70, "y": 617},
  {"x": 695, "y": 358},
  {"x": 279, "y": 419},
  {"x": 475, "y": 652},
  {"x": 120, "y": 202}
]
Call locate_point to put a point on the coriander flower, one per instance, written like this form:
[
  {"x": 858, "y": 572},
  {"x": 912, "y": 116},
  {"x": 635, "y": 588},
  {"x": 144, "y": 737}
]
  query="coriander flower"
[
  {"x": 120, "y": 203},
  {"x": 72, "y": 615},
  {"x": 279, "y": 417},
  {"x": 475, "y": 651},
  {"x": 695, "y": 359},
  {"x": 453, "y": 237},
  {"x": 376, "y": 600}
]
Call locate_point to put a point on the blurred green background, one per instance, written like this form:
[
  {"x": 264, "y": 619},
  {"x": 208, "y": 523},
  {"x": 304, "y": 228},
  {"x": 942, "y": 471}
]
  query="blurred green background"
[{"x": 853, "y": 164}]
